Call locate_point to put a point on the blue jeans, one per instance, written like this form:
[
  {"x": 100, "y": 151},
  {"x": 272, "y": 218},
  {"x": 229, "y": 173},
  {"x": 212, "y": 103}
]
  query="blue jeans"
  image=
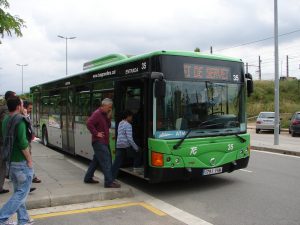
[
  {"x": 101, "y": 157},
  {"x": 21, "y": 176}
]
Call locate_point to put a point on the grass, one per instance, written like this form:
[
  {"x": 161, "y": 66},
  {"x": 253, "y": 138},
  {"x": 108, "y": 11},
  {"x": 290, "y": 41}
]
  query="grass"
[{"x": 263, "y": 99}]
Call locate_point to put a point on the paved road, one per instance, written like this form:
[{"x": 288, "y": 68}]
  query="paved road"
[
  {"x": 115, "y": 214},
  {"x": 267, "y": 193}
]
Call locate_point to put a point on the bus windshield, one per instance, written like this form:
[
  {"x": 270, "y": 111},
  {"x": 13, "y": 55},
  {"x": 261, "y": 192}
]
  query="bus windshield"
[{"x": 208, "y": 108}]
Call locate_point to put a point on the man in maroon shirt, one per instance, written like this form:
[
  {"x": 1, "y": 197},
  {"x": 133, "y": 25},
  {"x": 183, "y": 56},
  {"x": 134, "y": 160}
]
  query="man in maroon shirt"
[{"x": 99, "y": 124}]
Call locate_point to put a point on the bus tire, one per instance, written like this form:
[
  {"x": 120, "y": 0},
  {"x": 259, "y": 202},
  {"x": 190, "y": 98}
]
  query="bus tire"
[{"x": 45, "y": 136}]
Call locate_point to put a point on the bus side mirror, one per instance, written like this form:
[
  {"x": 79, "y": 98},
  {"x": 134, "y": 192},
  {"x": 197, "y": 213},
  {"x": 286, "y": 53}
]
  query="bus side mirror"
[
  {"x": 160, "y": 88},
  {"x": 159, "y": 84},
  {"x": 250, "y": 85}
]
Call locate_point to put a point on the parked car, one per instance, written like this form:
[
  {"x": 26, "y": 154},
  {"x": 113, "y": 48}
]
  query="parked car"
[
  {"x": 294, "y": 127},
  {"x": 265, "y": 121}
]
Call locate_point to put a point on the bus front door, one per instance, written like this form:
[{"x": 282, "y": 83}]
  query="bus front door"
[{"x": 131, "y": 95}]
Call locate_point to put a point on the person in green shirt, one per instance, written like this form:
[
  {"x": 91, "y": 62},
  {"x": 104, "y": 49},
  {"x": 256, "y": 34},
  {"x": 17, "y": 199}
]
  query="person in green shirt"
[
  {"x": 3, "y": 112},
  {"x": 21, "y": 167}
]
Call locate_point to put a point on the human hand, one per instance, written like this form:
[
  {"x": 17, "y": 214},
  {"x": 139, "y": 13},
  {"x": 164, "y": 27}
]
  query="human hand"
[
  {"x": 30, "y": 164},
  {"x": 100, "y": 135}
]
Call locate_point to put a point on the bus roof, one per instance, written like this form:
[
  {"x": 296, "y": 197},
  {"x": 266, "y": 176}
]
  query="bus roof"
[
  {"x": 116, "y": 59},
  {"x": 119, "y": 59}
]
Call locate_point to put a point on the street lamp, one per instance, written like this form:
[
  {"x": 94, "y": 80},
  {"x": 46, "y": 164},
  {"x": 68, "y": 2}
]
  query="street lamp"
[
  {"x": 22, "y": 65},
  {"x": 276, "y": 97},
  {"x": 66, "y": 38}
]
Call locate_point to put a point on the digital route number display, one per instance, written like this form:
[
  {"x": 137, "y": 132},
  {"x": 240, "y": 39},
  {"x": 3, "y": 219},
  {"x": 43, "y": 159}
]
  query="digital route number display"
[{"x": 196, "y": 71}]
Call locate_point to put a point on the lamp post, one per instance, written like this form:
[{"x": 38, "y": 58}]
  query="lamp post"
[
  {"x": 22, "y": 65},
  {"x": 66, "y": 38},
  {"x": 276, "y": 97}
]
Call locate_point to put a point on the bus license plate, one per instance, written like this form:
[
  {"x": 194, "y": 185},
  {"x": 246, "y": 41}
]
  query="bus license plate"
[{"x": 212, "y": 171}]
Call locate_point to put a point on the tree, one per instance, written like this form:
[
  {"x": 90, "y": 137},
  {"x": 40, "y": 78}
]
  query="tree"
[
  {"x": 9, "y": 23},
  {"x": 197, "y": 49}
]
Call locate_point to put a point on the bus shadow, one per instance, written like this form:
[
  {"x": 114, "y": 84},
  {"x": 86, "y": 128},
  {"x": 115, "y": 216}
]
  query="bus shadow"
[{"x": 201, "y": 184}]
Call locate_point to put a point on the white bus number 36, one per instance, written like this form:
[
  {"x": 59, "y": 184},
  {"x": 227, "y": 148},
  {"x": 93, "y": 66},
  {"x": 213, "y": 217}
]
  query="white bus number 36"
[{"x": 230, "y": 147}]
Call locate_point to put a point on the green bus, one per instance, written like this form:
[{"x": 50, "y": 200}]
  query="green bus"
[{"x": 189, "y": 111}]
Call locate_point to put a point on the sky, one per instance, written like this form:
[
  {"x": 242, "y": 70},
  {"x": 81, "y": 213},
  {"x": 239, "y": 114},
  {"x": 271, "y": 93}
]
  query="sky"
[{"x": 136, "y": 26}]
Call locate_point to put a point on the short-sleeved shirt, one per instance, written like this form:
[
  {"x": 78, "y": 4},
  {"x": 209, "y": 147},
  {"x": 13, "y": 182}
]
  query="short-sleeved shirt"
[{"x": 20, "y": 143}]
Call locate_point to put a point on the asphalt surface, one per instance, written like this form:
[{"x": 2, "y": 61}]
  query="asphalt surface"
[
  {"x": 266, "y": 193},
  {"x": 124, "y": 215}
]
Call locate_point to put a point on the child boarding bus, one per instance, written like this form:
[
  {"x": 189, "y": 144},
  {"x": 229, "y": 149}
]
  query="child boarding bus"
[{"x": 189, "y": 111}]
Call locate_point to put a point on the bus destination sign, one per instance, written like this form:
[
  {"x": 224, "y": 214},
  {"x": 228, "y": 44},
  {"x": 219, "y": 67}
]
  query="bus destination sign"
[{"x": 196, "y": 71}]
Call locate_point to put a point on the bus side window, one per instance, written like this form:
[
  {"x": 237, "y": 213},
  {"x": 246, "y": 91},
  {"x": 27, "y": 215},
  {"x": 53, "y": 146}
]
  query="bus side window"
[
  {"x": 96, "y": 100},
  {"x": 45, "y": 104}
]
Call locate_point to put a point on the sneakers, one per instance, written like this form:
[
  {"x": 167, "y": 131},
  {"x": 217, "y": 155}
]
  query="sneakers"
[
  {"x": 113, "y": 185},
  {"x": 9, "y": 222},
  {"x": 3, "y": 191},
  {"x": 32, "y": 189},
  {"x": 29, "y": 223},
  {"x": 36, "y": 180}
]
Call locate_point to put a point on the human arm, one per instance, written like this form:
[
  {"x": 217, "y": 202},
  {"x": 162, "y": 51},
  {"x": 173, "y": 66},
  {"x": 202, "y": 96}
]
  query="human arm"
[
  {"x": 28, "y": 157},
  {"x": 91, "y": 125},
  {"x": 128, "y": 133},
  {"x": 22, "y": 142}
]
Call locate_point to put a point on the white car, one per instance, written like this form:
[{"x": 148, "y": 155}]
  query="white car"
[{"x": 265, "y": 121}]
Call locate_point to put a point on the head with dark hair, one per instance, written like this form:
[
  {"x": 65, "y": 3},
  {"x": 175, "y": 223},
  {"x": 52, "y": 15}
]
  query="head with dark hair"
[
  {"x": 9, "y": 94},
  {"x": 26, "y": 103},
  {"x": 14, "y": 103},
  {"x": 127, "y": 115}
]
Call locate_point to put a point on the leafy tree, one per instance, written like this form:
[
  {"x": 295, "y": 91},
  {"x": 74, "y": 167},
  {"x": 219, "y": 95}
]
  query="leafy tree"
[
  {"x": 9, "y": 23},
  {"x": 197, "y": 49}
]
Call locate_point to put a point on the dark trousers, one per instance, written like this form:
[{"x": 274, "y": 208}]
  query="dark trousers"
[
  {"x": 101, "y": 157},
  {"x": 121, "y": 153}
]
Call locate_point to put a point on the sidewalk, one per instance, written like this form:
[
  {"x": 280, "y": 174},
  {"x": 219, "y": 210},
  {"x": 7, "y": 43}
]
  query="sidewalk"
[
  {"x": 287, "y": 145},
  {"x": 62, "y": 182},
  {"x": 63, "y": 198}
]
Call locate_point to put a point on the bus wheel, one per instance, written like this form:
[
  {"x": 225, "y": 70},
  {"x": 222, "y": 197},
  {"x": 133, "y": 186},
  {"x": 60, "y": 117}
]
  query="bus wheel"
[{"x": 45, "y": 136}]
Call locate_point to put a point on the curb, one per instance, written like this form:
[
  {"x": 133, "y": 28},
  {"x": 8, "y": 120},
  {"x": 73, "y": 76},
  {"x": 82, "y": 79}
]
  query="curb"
[
  {"x": 280, "y": 151},
  {"x": 60, "y": 200}
]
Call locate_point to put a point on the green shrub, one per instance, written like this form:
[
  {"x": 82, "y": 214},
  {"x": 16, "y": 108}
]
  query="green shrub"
[{"x": 263, "y": 99}]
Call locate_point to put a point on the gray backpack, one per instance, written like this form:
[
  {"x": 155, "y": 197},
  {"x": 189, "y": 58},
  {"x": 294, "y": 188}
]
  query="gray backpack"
[{"x": 9, "y": 138}]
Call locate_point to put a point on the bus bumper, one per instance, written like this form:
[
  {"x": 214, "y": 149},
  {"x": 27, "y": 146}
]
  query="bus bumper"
[{"x": 157, "y": 175}]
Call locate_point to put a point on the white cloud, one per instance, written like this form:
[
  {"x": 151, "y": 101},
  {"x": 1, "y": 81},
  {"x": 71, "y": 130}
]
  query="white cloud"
[{"x": 135, "y": 27}]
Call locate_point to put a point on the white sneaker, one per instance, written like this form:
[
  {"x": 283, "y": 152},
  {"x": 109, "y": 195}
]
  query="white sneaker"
[
  {"x": 29, "y": 222},
  {"x": 9, "y": 222}
]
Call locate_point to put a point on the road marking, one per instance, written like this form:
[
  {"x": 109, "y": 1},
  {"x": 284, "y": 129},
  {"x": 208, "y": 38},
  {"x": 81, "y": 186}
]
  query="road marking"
[
  {"x": 101, "y": 208},
  {"x": 274, "y": 153},
  {"x": 165, "y": 207},
  {"x": 248, "y": 171}
]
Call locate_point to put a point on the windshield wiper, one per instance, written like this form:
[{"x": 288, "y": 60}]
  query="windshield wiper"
[
  {"x": 201, "y": 125},
  {"x": 182, "y": 139}
]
